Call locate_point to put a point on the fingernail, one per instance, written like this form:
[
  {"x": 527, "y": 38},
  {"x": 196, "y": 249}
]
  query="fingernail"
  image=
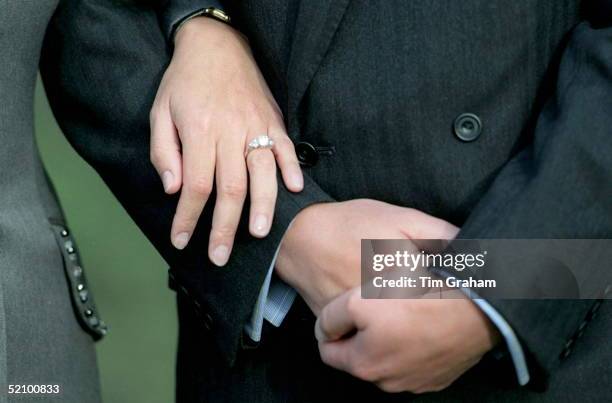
[
  {"x": 297, "y": 180},
  {"x": 181, "y": 240},
  {"x": 220, "y": 255},
  {"x": 167, "y": 180},
  {"x": 260, "y": 226}
]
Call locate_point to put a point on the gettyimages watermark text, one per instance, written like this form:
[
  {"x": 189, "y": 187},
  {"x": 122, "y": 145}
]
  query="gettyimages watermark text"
[{"x": 492, "y": 268}]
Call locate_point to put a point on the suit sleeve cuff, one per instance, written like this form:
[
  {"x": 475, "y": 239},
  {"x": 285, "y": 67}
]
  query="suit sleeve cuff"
[
  {"x": 512, "y": 343},
  {"x": 273, "y": 303}
]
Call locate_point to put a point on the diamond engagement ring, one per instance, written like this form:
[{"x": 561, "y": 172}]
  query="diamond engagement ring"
[{"x": 260, "y": 142}]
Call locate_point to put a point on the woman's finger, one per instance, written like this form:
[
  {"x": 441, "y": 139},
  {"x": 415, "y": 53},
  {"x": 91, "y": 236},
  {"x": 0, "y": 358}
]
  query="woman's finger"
[
  {"x": 198, "y": 175},
  {"x": 231, "y": 183},
  {"x": 284, "y": 151},
  {"x": 263, "y": 191},
  {"x": 165, "y": 149}
]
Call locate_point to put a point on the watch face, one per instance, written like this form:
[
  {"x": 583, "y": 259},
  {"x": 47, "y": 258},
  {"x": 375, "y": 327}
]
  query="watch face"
[{"x": 218, "y": 14}]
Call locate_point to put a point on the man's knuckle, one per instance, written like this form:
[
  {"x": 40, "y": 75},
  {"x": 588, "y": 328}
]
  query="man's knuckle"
[
  {"x": 439, "y": 386},
  {"x": 326, "y": 357},
  {"x": 389, "y": 386},
  {"x": 419, "y": 390},
  {"x": 353, "y": 305},
  {"x": 364, "y": 371},
  {"x": 324, "y": 321}
]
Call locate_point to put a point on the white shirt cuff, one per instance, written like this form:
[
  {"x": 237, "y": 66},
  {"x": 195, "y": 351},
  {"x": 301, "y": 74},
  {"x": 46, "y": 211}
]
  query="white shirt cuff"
[
  {"x": 512, "y": 342},
  {"x": 273, "y": 303}
]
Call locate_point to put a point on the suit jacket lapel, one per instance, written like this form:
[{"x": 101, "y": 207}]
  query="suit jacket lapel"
[{"x": 316, "y": 24}]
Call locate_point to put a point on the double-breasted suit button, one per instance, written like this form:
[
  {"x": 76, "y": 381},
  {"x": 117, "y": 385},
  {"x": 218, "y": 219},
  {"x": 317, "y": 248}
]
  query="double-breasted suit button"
[
  {"x": 307, "y": 154},
  {"x": 467, "y": 127}
]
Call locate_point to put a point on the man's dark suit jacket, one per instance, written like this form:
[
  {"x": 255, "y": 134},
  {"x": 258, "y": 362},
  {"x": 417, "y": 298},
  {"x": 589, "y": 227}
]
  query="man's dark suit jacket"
[{"x": 384, "y": 86}]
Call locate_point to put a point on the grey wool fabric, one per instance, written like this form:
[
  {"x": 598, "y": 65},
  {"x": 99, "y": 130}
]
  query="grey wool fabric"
[{"x": 41, "y": 341}]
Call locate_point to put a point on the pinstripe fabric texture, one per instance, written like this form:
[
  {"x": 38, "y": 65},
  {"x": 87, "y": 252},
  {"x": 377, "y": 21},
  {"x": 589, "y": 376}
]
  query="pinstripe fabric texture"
[{"x": 383, "y": 85}]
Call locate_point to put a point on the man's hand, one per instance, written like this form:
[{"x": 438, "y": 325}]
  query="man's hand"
[
  {"x": 320, "y": 255},
  {"x": 210, "y": 104},
  {"x": 409, "y": 345}
]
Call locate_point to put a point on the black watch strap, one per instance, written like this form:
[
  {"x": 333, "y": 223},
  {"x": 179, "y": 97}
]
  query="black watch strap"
[{"x": 175, "y": 12}]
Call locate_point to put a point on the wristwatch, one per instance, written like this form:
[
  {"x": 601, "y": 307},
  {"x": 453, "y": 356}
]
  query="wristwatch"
[
  {"x": 210, "y": 12},
  {"x": 217, "y": 14}
]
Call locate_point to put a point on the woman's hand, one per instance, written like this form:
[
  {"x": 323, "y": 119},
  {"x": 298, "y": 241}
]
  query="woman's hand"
[{"x": 211, "y": 103}]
